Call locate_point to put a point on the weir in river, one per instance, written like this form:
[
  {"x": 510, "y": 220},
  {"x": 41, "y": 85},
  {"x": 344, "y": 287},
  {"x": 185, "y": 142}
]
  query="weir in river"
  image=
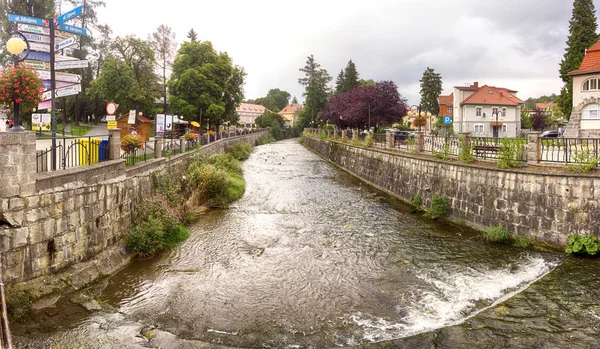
[{"x": 311, "y": 257}]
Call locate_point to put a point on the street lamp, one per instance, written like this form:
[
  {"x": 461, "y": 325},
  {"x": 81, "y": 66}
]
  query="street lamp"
[
  {"x": 16, "y": 45},
  {"x": 496, "y": 125},
  {"x": 419, "y": 112}
]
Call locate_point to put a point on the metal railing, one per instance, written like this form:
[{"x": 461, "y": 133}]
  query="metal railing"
[
  {"x": 569, "y": 150},
  {"x": 136, "y": 155},
  {"x": 487, "y": 148},
  {"x": 73, "y": 152},
  {"x": 435, "y": 144}
]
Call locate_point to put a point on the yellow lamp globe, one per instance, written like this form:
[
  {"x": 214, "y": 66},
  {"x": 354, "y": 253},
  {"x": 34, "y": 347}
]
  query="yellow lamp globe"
[
  {"x": 410, "y": 113},
  {"x": 422, "y": 113},
  {"x": 428, "y": 114},
  {"x": 15, "y": 45}
]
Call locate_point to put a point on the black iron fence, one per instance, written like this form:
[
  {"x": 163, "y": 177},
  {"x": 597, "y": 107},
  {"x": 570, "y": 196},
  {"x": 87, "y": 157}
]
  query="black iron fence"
[
  {"x": 144, "y": 153},
  {"x": 569, "y": 150},
  {"x": 72, "y": 152}
]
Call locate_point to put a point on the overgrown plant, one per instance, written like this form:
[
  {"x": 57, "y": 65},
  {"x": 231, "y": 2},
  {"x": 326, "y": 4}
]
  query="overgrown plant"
[
  {"x": 508, "y": 154},
  {"x": 439, "y": 207},
  {"x": 443, "y": 154},
  {"x": 411, "y": 145},
  {"x": 495, "y": 234},
  {"x": 417, "y": 201},
  {"x": 522, "y": 242},
  {"x": 466, "y": 150},
  {"x": 240, "y": 151},
  {"x": 584, "y": 161},
  {"x": 218, "y": 182},
  {"x": 369, "y": 140},
  {"x": 582, "y": 245}
]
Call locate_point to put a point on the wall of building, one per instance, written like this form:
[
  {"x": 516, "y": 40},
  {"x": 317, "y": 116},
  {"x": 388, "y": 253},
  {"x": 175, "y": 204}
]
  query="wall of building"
[
  {"x": 512, "y": 120},
  {"x": 75, "y": 216},
  {"x": 538, "y": 204}
]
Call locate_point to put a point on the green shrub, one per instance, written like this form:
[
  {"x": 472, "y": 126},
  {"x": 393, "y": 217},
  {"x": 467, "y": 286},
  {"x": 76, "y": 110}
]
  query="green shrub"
[
  {"x": 444, "y": 154},
  {"x": 466, "y": 151},
  {"x": 218, "y": 187},
  {"x": 265, "y": 140},
  {"x": 495, "y": 234},
  {"x": 356, "y": 142},
  {"x": 417, "y": 200},
  {"x": 369, "y": 140},
  {"x": 322, "y": 134},
  {"x": 240, "y": 151},
  {"x": 145, "y": 238},
  {"x": 226, "y": 162},
  {"x": 175, "y": 236},
  {"x": 584, "y": 161},
  {"x": 411, "y": 143},
  {"x": 522, "y": 242},
  {"x": 508, "y": 154},
  {"x": 582, "y": 245},
  {"x": 439, "y": 207}
]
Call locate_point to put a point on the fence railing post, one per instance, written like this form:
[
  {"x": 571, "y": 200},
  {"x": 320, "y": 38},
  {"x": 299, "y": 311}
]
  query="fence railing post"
[
  {"x": 533, "y": 147},
  {"x": 114, "y": 143},
  {"x": 182, "y": 144},
  {"x": 355, "y": 134},
  {"x": 421, "y": 139},
  {"x": 389, "y": 136}
]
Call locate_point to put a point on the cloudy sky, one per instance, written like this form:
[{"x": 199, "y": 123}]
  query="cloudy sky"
[{"x": 511, "y": 43}]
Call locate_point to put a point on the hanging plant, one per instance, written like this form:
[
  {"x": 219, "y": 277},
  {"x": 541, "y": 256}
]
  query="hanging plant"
[{"x": 21, "y": 85}]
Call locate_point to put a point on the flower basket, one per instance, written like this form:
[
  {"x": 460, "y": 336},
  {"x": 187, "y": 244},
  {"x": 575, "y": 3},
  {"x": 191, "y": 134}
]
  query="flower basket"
[
  {"x": 130, "y": 143},
  {"x": 20, "y": 85}
]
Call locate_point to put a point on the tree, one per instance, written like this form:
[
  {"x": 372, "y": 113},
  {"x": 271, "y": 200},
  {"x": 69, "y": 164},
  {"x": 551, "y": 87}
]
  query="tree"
[
  {"x": 316, "y": 92},
  {"x": 339, "y": 82},
  {"x": 539, "y": 120},
  {"x": 164, "y": 45},
  {"x": 294, "y": 100},
  {"x": 192, "y": 35},
  {"x": 582, "y": 35},
  {"x": 275, "y": 100},
  {"x": 526, "y": 119},
  {"x": 379, "y": 104},
  {"x": 431, "y": 88},
  {"x": 363, "y": 82},
  {"x": 234, "y": 94},
  {"x": 267, "y": 119},
  {"x": 350, "y": 77}
]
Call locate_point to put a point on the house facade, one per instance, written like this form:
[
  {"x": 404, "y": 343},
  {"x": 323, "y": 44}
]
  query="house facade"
[
  {"x": 585, "y": 117},
  {"x": 249, "y": 112},
  {"x": 290, "y": 114},
  {"x": 446, "y": 104},
  {"x": 487, "y": 111}
]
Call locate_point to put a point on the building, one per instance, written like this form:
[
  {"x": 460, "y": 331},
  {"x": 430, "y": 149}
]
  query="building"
[
  {"x": 141, "y": 126},
  {"x": 585, "y": 117},
  {"x": 290, "y": 114},
  {"x": 446, "y": 105},
  {"x": 486, "y": 111},
  {"x": 249, "y": 112}
]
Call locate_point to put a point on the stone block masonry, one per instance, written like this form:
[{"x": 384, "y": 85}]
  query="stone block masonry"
[
  {"x": 535, "y": 203},
  {"x": 75, "y": 219}
]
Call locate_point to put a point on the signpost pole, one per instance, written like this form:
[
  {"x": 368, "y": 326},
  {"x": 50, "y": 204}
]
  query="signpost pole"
[{"x": 52, "y": 91}]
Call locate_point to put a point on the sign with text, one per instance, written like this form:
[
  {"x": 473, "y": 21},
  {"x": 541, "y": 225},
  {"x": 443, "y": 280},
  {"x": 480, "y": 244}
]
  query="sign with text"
[
  {"x": 447, "y": 120},
  {"x": 72, "y": 29},
  {"x": 160, "y": 124},
  {"x": 27, "y": 20},
  {"x": 37, "y": 56},
  {"x": 36, "y": 64},
  {"x": 46, "y": 118},
  {"x": 67, "y": 91},
  {"x": 111, "y": 124},
  {"x": 61, "y": 58},
  {"x": 66, "y": 43},
  {"x": 131, "y": 119},
  {"x": 38, "y": 46},
  {"x": 169, "y": 122},
  {"x": 45, "y": 105},
  {"x": 67, "y": 77},
  {"x": 37, "y": 37},
  {"x": 70, "y": 64},
  {"x": 33, "y": 29},
  {"x": 69, "y": 15},
  {"x": 36, "y": 120},
  {"x": 58, "y": 84}
]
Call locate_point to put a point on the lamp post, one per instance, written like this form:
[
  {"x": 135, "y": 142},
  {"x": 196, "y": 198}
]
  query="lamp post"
[
  {"x": 16, "y": 45},
  {"x": 418, "y": 113},
  {"x": 496, "y": 125}
]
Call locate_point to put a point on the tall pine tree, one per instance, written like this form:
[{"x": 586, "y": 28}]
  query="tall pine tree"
[
  {"x": 431, "y": 87},
  {"x": 192, "y": 35},
  {"x": 351, "y": 79},
  {"x": 339, "y": 82},
  {"x": 582, "y": 29}
]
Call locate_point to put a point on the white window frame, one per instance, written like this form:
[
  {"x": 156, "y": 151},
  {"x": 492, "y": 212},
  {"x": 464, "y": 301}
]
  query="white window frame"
[
  {"x": 586, "y": 112},
  {"x": 504, "y": 128},
  {"x": 587, "y": 84},
  {"x": 503, "y": 112},
  {"x": 478, "y": 111},
  {"x": 479, "y": 128},
  {"x": 448, "y": 109},
  {"x": 497, "y": 109}
]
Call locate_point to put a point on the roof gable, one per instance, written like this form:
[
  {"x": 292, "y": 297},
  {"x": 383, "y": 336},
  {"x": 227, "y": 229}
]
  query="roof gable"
[
  {"x": 591, "y": 61},
  {"x": 447, "y": 100},
  {"x": 493, "y": 96}
]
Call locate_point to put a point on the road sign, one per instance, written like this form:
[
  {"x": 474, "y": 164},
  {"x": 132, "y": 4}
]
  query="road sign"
[
  {"x": 27, "y": 20},
  {"x": 447, "y": 120},
  {"x": 45, "y": 105},
  {"x": 111, "y": 124},
  {"x": 57, "y": 84},
  {"x": 62, "y": 35},
  {"x": 37, "y": 37},
  {"x": 61, "y": 58},
  {"x": 69, "y": 15},
  {"x": 70, "y": 64},
  {"x": 111, "y": 108},
  {"x": 36, "y": 64},
  {"x": 33, "y": 29},
  {"x": 39, "y": 47},
  {"x": 67, "y": 91},
  {"x": 66, "y": 43},
  {"x": 46, "y": 118},
  {"x": 46, "y": 95},
  {"x": 72, "y": 29},
  {"x": 37, "y": 56},
  {"x": 36, "y": 120},
  {"x": 68, "y": 77},
  {"x": 168, "y": 122},
  {"x": 43, "y": 74}
]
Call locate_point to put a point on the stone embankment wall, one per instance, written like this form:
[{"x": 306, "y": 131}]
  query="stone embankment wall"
[
  {"x": 536, "y": 203},
  {"x": 75, "y": 219}
]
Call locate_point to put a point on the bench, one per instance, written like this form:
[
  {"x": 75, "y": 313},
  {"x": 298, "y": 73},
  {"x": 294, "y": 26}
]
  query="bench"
[{"x": 484, "y": 149}]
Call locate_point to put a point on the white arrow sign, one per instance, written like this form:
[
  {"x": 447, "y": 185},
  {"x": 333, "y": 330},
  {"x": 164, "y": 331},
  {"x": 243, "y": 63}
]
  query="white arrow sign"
[
  {"x": 46, "y": 95},
  {"x": 36, "y": 46},
  {"x": 66, "y": 43},
  {"x": 67, "y": 91},
  {"x": 70, "y": 64},
  {"x": 44, "y": 74},
  {"x": 64, "y": 58},
  {"x": 34, "y": 29},
  {"x": 67, "y": 77}
]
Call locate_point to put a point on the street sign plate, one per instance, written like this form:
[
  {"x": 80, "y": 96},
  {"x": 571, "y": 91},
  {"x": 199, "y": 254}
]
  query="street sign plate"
[
  {"x": 57, "y": 84},
  {"x": 46, "y": 95},
  {"x": 447, "y": 120},
  {"x": 43, "y": 74},
  {"x": 70, "y": 64},
  {"x": 111, "y": 124},
  {"x": 67, "y": 91},
  {"x": 37, "y": 56},
  {"x": 45, "y": 105},
  {"x": 33, "y": 29},
  {"x": 72, "y": 29},
  {"x": 66, "y": 43},
  {"x": 27, "y": 20},
  {"x": 37, "y": 37},
  {"x": 36, "y": 64},
  {"x": 111, "y": 108},
  {"x": 69, "y": 15},
  {"x": 60, "y": 58},
  {"x": 68, "y": 77},
  {"x": 62, "y": 35},
  {"x": 39, "y": 47}
]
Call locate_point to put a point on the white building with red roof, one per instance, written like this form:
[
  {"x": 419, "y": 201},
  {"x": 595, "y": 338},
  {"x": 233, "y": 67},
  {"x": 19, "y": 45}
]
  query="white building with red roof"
[
  {"x": 487, "y": 111},
  {"x": 585, "y": 117},
  {"x": 249, "y": 112}
]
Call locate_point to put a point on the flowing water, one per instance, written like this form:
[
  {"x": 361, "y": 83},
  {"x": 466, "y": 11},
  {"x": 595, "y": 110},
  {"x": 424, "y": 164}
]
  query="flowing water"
[{"x": 313, "y": 258}]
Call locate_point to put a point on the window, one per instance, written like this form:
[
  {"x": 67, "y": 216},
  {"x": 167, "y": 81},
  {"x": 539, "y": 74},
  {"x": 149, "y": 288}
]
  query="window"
[
  {"x": 590, "y": 84},
  {"x": 503, "y": 111},
  {"x": 478, "y": 111},
  {"x": 449, "y": 110},
  {"x": 591, "y": 112},
  {"x": 503, "y": 128},
  {"x": 479, "y": 128}
]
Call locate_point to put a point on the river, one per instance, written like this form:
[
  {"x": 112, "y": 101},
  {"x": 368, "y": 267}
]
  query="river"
[{"x": 311, "y": 257}]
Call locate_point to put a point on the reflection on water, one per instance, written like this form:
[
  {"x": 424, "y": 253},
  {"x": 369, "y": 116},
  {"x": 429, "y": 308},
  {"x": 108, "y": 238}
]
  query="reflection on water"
[{"x": 310, "y": 257}]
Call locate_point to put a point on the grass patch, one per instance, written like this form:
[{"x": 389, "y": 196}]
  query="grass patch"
[
  {"x": 240, "y": 151},
  {"x": 218, "y": 181},
  {"x": 522, "y": 242},
  {"x": 495, "y": 234},
  {"x": 417, "y": 201},
  {"x": 439, "y": 207},
  {"x": 264, "y": 140}
]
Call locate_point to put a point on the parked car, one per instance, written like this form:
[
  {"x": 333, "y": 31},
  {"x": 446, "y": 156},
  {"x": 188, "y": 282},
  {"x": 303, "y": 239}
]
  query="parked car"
[
  {"x": 403, "y": 135},
  {"x": 551, "y": 134}
]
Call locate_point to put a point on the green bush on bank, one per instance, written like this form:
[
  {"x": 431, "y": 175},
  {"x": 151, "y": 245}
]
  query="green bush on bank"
[
  {"x": 218, "y": 181},
  {"x": 240, "y": 151},
  {"x": 495, "y": 234},
  {"x": 264, "y": 140},
  {"x": 583, "y": 245},
  {"x": 439, "y": 207}
]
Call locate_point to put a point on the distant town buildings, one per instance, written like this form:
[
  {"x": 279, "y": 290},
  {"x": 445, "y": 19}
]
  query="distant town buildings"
[
  {"x": 486, "y": 111},
  {"x": 249, "y": 112},
  {"x": 290, "y": 114},
  {"x": 585, "y": 117}
]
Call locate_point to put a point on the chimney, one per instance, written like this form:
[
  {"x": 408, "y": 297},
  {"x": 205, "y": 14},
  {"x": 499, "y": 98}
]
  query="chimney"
[{"x": 476, "y": 84}]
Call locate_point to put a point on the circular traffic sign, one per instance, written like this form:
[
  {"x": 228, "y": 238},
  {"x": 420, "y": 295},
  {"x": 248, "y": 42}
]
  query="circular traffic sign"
[{"x": 111, "y": 108}]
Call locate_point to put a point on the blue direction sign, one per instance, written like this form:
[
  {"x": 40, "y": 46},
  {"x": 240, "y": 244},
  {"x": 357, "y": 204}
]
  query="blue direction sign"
[
  {"x": 69, "y": 15},
  {"x": 28, "y": 20},
  {"x": 37, "y": 56},
  {"x": 72, "y": 29},
  {"x": 447, "y": 120}
]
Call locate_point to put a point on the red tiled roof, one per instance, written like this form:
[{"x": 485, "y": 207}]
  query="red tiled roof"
[
  {"x": 291, "y": 108},
  {"x": 247, "y": 107},
  {"x": 493, "y": 95},
  {"x": 591, "y": 61},
  {"x": 544, "y": 105},
  {"x": 447, "y": 100}
]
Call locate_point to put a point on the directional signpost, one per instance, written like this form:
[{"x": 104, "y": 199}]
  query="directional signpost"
[
  {"x": 37, "y": 38},
  {"x": 72, "y": 29},
  {"x": 66, "y": 43},
  {"x": 29, "y": 28},
  {"x": 70, "y": 64},
  {"x": 36, "y": 46},
  {"x": 28, "y": 20},
  {"x": 36, "y": 64},
  {"x": 68, "y": 91}
]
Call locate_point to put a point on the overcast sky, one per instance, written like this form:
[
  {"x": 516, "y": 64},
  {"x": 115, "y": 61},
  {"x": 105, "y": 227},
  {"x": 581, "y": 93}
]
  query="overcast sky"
[{"x": 511, "y": 43}]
